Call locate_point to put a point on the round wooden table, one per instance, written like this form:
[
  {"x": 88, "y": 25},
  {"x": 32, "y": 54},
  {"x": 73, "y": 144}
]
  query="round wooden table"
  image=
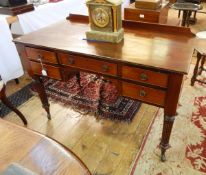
[{"x": 36, "y": 152}]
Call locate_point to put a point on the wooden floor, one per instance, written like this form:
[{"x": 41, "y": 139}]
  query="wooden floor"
[{"x": 106, "y": 147}]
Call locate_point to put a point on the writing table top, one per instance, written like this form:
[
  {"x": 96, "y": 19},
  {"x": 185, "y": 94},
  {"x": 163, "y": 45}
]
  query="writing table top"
[{"x": 148, "y": 45}]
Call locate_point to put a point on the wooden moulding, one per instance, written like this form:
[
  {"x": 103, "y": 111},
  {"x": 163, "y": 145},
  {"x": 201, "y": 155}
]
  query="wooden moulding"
[
  {"x": 163, "y": 28},
  {"x": 16, "y": 10},
  {"x": 140, "y": 25}
]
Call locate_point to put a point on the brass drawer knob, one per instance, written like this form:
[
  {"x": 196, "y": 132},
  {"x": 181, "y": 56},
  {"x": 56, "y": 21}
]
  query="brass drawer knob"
[
  {"x": 143, "y": 77},
  {"x": 142, "y": 93},
  {"x": 105, "y": 68},
  {"x": 71, "y": 60},
  {"x": 40, "y": 57}
]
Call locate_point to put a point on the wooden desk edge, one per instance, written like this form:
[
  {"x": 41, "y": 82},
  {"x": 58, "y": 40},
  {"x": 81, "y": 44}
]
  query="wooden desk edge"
[{"x": 52, "y": 140}]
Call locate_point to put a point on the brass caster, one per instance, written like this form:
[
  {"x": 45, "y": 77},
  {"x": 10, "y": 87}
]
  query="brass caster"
[
  {"x": 49, "y": 116},
  {"x": 163, "y": 158}
]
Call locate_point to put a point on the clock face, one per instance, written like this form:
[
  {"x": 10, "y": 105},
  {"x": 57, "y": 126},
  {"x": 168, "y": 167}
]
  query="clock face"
[{"x": 100, "y": 17}]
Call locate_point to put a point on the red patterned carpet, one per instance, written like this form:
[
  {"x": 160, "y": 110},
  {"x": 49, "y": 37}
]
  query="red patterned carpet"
[
  {"x": 187, "y": 156},
  {"x": 94, "y": 95}
]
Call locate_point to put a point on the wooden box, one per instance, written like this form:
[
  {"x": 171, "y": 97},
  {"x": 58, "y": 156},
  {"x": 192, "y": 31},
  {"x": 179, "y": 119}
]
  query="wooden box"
[
  {"x": 16, "y": 10},
  {"x": 153, "y": 16},
  {"x": 148, "y": 4}
]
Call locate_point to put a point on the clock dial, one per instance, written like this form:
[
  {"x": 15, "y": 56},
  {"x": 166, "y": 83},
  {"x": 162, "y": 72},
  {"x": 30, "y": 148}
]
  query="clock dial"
[{"x": 100, "y": 17}]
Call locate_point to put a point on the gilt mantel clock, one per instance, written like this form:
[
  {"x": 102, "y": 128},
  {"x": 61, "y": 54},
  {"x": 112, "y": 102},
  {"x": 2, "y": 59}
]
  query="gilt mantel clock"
[{"x": 105, "y": 20}]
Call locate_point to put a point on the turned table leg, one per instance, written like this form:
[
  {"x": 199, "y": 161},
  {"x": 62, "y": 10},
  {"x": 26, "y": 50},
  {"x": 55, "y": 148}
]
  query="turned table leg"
[
  {"x": 195, "y": 73},
  {"x": 39, "y": 87},
  {"x": 184, "y": 17},
  {"x": 16, "y": 81},
  {"x": 188, "y": 18},
  {"x": 173, "y": 93},
  {"x": 202, "y": 65},
  {"x": 167, "y": 128},
  {"x": 78, "y": 76},
  {"x": 9, "y": 105}
]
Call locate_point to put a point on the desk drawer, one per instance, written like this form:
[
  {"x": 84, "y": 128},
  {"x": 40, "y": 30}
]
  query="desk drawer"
[
  {"x": 45, "y": 56},
  {"x": 52, "y": 71},
  {"x": 141, "y": 15},
  {"x": 146, "y": 76},
  {"x": 88, "y": 64},
  {"x": 145, "y": 94}
]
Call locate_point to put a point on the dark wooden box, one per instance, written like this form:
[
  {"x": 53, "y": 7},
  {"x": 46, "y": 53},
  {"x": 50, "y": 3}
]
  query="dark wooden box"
[
  {"x": 16, "y": 10},
  {"x": 11, "y": 3}
]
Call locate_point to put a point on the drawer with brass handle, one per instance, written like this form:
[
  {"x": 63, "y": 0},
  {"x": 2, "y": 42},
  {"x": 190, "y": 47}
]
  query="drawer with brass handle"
[
  {"x": 145, "y": 76},
  {"x": 145, "y": 94},
  {"x": 89, "y": 64},
  {"x": 50, "y": 71},
  {"x": 45, "y": 56}
]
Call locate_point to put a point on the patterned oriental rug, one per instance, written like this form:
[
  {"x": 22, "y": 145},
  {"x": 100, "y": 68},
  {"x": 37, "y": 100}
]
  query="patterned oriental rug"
[
  {"x": 92, "y": 95},
  {"x": 188, "y": 139}
]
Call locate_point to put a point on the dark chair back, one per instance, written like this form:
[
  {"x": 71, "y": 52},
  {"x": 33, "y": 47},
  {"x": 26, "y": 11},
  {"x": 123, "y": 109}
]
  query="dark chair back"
[{"x": 10, "y": 3}]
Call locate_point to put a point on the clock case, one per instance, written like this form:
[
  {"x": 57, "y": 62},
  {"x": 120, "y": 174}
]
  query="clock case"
[{"x": 113, "y": 31}]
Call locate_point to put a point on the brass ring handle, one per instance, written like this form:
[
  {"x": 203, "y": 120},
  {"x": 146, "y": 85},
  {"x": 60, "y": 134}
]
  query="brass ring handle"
[
  {"x": 142, "y": 93},
  {"x": 71, "y": 60},
  {"x": 143, "y": 77},
  {"x": 105, "y": 68}
]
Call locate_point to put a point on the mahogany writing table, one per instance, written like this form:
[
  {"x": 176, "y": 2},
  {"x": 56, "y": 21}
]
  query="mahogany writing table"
[{"x": 148, "y": 65}]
